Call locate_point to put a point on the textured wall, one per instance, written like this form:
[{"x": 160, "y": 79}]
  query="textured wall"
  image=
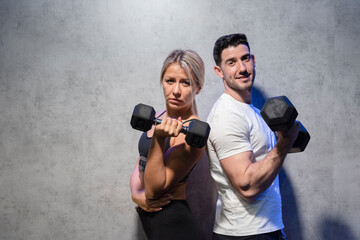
[{"x": 72, "y": 71}]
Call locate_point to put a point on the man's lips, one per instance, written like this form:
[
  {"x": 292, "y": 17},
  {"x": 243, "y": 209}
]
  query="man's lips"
[{"x": 243, "y": 77}]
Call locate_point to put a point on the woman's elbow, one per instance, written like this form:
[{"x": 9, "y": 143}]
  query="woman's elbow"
[{"x": 151, "y": 194}]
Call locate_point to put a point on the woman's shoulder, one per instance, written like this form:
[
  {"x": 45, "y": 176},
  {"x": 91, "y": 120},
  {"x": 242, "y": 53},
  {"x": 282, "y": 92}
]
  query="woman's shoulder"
[
  {"x": 191, "y": 118},
  {"x": 160, "y": 114}
]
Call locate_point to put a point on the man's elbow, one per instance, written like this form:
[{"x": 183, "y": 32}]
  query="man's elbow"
[
  {"x": 249, "y": 198},
  {"x": 248, "y": 194}
]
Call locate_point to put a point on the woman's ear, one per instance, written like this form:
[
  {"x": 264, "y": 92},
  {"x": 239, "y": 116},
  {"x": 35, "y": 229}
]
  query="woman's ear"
[{"x": 198, "y": 91}]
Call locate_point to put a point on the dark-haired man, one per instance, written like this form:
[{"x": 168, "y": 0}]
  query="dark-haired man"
[{"x": 244, "y": 157}]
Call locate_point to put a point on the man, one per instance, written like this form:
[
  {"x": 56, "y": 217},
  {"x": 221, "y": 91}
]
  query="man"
[{"x": 244, "y": 157}]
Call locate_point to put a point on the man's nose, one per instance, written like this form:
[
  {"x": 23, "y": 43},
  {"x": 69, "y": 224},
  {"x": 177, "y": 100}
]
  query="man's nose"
[{"x": 241, "y": 67}]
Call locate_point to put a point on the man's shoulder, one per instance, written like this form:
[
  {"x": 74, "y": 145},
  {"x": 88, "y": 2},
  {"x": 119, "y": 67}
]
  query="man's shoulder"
[{"x": 223, "y": 110}]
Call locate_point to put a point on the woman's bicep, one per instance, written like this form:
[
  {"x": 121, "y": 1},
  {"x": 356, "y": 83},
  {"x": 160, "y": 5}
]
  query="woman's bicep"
[{"x": 179, "y": 161}]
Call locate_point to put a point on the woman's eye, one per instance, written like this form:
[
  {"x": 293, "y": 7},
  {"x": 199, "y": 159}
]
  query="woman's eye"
[
  {"x": 186, "y": 83},
  {"x": 169, "y": 81}
]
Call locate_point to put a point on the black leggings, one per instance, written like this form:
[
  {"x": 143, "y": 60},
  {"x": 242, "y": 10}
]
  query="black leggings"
[{"x": 174, "y": 222}]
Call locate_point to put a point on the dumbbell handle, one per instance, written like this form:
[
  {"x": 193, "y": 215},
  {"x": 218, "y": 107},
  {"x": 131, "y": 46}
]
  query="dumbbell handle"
[{"x": 183, "y": 130}]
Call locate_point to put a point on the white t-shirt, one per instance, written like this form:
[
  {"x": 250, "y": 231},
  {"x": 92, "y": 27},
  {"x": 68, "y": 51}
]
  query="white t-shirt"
[{"x": 238, "y": 127}]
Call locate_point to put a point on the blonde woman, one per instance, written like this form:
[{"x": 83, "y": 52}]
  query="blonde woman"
[{"x": 158, "y": 182}]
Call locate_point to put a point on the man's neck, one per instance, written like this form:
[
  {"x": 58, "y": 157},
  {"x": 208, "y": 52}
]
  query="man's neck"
[{"x": 244, "y": 96}]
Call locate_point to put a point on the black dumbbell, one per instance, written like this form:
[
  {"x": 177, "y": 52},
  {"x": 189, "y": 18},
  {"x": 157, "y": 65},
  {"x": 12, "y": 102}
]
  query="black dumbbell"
[
  {"x": 280, "y": 114},
  {"x": 197, "y": 132}
]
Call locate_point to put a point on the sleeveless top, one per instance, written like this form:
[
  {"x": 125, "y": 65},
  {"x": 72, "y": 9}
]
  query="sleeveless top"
[{"x": 144, "y": 145}]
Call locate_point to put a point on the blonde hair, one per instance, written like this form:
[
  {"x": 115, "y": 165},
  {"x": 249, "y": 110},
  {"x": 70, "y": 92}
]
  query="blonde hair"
[{"x": 193, "y": 65}]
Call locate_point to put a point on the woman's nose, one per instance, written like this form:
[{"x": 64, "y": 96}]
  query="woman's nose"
[{"x": 176, "y": 89}]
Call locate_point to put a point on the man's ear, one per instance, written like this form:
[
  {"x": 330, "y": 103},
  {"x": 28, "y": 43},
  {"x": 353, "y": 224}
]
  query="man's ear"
[
  {"x": 253, "y": 58},
  {"x": 218, "y": 71}
]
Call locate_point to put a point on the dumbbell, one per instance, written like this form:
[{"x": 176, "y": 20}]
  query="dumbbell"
[
  {"x": 197, "y": 132},
  {"x": 280, "y": 114}
]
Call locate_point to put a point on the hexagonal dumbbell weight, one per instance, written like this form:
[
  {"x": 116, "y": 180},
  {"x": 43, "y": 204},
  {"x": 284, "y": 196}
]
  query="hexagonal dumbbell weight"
[
  {"x": 197, "y": 132},
  {"x": 280, "y": 114}
]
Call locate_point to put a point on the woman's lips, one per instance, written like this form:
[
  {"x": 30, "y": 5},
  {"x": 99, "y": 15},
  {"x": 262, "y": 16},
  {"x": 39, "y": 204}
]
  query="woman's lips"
[{"x": 174, "y": 100}]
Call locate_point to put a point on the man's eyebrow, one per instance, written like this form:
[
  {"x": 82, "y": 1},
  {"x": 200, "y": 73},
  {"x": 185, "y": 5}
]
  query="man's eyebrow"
[
  {"x": 246, "y": 56},
  {"x": 232, "y": 59}
]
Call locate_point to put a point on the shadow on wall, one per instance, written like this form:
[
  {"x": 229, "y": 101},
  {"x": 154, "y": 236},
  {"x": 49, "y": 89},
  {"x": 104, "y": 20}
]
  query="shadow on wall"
[
  {"x": 334, "y": 228},
  {"x": 257, "y": 97},
  {"x": 140, "y": 232},
  {"x": 293, "y": 228}
]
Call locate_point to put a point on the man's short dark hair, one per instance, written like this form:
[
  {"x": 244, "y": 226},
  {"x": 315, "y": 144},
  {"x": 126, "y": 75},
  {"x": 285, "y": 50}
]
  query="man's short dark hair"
[{"x": 226, "y": 41}]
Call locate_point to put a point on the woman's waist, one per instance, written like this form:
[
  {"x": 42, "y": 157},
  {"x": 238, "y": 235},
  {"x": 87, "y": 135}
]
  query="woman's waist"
[{"x": 178, "y": 192}]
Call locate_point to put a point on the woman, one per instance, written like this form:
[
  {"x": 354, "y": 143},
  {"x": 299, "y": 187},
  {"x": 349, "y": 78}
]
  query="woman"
[{"x": 158, "y": 182}]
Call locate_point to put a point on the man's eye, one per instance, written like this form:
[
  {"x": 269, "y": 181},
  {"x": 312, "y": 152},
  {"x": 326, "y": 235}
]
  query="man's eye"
[
  {"x": 247, "y": 58},
  {"x": 231, "y": 63}
]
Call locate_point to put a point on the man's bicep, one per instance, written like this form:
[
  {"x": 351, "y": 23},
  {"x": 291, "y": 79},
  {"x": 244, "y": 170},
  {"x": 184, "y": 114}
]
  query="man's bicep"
[{"x": 235, "y": 167}]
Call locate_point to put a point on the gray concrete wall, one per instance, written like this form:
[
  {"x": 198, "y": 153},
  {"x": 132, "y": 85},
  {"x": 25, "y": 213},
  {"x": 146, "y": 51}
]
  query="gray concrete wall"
[{"x": 72, "y": 71}]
